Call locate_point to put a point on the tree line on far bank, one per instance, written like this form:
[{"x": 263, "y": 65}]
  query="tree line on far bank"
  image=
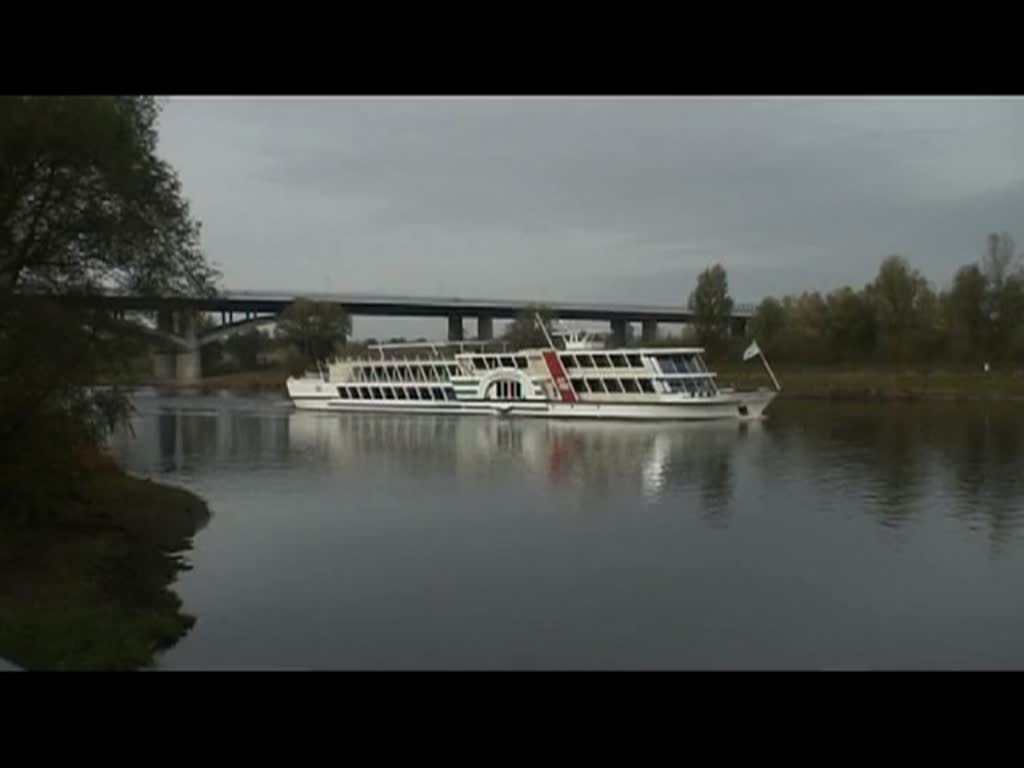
[{"x": 897, "y": 318}]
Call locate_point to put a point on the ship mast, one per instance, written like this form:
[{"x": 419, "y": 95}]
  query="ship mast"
[{"x": 544, "y": 330}]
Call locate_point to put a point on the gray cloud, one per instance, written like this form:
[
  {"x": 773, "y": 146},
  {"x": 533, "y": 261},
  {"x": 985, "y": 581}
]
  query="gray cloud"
[{"x": 624, "y": 199}]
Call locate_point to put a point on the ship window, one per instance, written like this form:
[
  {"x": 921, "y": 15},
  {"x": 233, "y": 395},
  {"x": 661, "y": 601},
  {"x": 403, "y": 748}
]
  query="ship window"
[
  {"x": 601, "y": 361},
  {"x": 667, "y": 365},
  {"x": 364, "y": 393},
  {"x": 596, "y": 385},
  {"x": 438, "y": 394},
  {"x": 619, "y": 361},
  {"x": 400, "y": 393},
  {"x": 413, "y": 393},
  {"x": 613, "y": 386},
  {"x": 376, "y": 393},
  {"x": 506, "y": 362},
  {"x": 389, "y": 393},
  {"x": 453, "y": 370},
  {"x": 425, "y": 394},
  {"x": 449, "y": 393},
  {"x": 635, "y": 361},
  {"x": 577, "y": 384},
  {"x": 430, "y": 373},
  {"x": 479, "y": 363},
  {"x": 585, "y": 361},
  {"x": 343, "y": 393},
  {"x": 521, "y": 362},
  {"x": 630, "y": 386},
  {"x": 645, "y": 385},
  {"x": 569, "y": 361}
]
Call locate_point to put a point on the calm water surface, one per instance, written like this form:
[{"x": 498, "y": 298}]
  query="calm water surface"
[{"x": 844, "y": 536}]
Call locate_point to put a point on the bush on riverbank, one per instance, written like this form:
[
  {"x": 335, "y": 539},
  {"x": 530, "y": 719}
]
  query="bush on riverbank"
[{"x": 91, "y": 589}]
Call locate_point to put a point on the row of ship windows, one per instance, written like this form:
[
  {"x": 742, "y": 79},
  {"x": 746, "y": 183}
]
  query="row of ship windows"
[
  {"x": 398, "y": 373},
  {"x": 502, "y": 361},
  {"x": 695, "y": 387},
  {"x": 602, "y": 361},
  {"x": 350, "y": 392},
  {"x": 613, "y": 386}
]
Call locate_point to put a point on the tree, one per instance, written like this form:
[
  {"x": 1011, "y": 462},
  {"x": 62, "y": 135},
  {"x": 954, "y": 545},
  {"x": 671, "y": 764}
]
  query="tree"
[
  {"x": 1004, "y": 305},
  {"x": 995, "y": 263},
  {"x": 247, "y": 347},
  {"x": 314, "y": 330},
  {"x": 524, "y": 331},
  {"x": 967, "y": 321},
  {"x": 85, "y": 204},
  {"x": 768, "y": 321},
  {"x": 852, "y": 327},
  {"x": 897, "y": 294},
  {"x": 711, "y": 307}
]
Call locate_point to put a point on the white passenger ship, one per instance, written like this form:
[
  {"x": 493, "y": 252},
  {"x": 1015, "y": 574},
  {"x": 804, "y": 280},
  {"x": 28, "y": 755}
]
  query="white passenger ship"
[{"x": 580, "y": 380}]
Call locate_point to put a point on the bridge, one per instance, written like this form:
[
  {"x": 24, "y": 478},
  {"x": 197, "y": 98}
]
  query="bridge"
[{"x": 176, "y": 317}]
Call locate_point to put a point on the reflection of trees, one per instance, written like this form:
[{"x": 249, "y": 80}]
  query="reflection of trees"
[
  {"x": 182, "y": 438},
  {"x": 970, "y": 450},
  {"x": 987, "y": 469}
]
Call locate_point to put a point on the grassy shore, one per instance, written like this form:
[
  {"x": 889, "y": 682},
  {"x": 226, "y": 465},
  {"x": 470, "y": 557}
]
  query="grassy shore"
[
  {"x": 90, "y": 589},
  {"x": 875, "y": 382}
]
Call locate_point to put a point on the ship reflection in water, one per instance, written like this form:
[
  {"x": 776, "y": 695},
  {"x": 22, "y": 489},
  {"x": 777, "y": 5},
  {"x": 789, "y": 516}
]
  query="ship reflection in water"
[{"x": 591, "y": 458}]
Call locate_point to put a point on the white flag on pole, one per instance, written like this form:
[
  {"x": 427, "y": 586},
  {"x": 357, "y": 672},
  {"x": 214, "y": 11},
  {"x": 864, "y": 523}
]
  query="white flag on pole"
[{"x": 752, "y": 351}]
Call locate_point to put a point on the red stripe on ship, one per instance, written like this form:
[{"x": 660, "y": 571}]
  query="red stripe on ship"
[{"x": 558, "y": 374}]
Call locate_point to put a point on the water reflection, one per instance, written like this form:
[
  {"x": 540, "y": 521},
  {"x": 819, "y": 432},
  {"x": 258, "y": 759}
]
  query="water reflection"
[
  {"x": 591, "y": 459},
  {"x": 896, "y": 464},
  {"x": 903, "y": 462},
  {"x": 834, "y": 535}
]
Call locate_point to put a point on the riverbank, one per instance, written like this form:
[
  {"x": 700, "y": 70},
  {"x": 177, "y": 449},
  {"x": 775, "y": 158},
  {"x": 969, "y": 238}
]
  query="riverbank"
[
  {"x": 878, "y": 383},
  {"x": 90, "y": 589}
]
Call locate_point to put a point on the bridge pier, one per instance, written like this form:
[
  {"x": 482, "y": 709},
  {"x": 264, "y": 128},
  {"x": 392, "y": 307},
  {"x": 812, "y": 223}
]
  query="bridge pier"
[
  {"x": 649, "y": 331},
  {"x": 455, "y": 332},
  {"x": 485, "y": 327},
  {"x": 189, "y": 364},
  {"x": 618, "y": 333},
  {"x": 164, "y": 363},
  {"x": 182, "y": 365}
]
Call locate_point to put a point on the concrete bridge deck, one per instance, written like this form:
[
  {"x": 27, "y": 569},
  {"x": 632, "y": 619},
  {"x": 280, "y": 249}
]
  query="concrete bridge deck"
[{"x": 383, "y": 305}]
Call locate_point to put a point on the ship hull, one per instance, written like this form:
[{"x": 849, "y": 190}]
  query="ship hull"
[{"x": 736, "y": 406}]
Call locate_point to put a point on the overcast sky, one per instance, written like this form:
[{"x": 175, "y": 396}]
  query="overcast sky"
[{"x": 623, "y": 199}]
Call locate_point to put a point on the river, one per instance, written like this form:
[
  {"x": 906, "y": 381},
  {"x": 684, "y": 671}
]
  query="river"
[{"x": 828, "y": 536}]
